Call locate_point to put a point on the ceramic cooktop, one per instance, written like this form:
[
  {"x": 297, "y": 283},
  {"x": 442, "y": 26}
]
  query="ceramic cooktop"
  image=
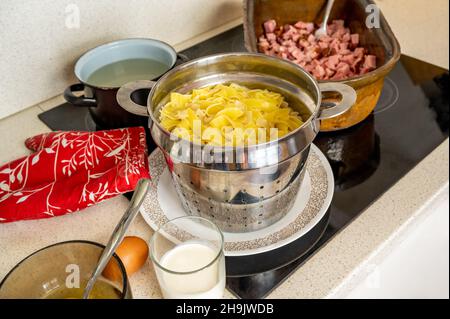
[{"x": 410, "y": 120}]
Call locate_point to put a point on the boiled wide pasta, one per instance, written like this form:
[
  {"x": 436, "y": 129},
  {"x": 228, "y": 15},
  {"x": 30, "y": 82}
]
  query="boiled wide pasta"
[{"x": 229, "y": 115}]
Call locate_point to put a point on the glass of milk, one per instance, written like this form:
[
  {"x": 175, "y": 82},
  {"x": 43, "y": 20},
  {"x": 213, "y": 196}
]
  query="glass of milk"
[{"x": 187, "y": 254}]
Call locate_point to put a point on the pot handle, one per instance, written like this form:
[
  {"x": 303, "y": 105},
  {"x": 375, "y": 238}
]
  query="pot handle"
[
  {"x": 78, "y": 100},
  {"x": 181, "y": 58},
  {"x": 123, "y": 96},
  {"x": 348, "y": 99}
]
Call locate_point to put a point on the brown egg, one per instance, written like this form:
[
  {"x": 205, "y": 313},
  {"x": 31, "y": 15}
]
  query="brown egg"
[{"x": 133, "y": 252}]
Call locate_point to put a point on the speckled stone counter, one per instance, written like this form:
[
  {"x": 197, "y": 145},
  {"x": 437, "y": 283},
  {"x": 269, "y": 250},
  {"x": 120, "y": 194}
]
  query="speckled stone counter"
[
  {"x": 18, "y": 240},
  {"x": 333, "y": 267}
]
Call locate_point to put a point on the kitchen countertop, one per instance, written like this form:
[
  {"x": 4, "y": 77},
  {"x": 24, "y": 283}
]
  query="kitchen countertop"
[
  {"x": 333, "y": 267},
  {"x": 336, "y": 267}
]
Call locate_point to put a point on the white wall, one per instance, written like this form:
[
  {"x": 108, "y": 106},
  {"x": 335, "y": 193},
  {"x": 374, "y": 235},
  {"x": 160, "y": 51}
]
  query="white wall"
[
  {"x": 38, "y": 47},
  {"x": 421, "y": 27}
]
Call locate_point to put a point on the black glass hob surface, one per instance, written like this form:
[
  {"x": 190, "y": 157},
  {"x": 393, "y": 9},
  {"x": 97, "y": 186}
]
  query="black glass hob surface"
[{"x": 410, "y": 121}]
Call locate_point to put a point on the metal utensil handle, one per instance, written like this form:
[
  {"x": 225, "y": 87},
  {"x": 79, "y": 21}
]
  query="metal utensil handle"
[
  {"x": 70, "y": 97},
  {"x": 119, "y": 232},
  {"x": 181, "y": 58},
  {"x": 348, "y": 99},
  {"x": 123, "y": 96},
  {"x": 330, "y": 4}
]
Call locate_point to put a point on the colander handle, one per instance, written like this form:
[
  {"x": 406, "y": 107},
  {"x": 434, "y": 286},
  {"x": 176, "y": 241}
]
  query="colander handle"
[
  {"x": 124, "y": 96},
  {"x": 348, "y": 95}
]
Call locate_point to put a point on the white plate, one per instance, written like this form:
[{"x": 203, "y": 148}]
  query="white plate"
[{"x": 313, "y": 199}]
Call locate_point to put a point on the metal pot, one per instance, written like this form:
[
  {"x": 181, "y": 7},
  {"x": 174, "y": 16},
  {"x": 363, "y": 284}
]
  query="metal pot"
[
  {"x": 259, "y": 184},
  {"x": 101, "y": 100}
]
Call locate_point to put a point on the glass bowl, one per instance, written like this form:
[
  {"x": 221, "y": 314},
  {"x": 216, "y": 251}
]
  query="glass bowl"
[{"x": 60, "y": 271}]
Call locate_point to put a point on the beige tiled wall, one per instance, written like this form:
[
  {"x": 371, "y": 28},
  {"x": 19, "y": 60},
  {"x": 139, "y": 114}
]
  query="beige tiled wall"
[
  {"x": 421, "y": 27},
  {"x": 40, "y": 40}
]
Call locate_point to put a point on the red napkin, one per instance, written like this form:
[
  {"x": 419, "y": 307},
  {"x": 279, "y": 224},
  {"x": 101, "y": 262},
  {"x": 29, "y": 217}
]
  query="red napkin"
[{"x": 70, "y": 171}]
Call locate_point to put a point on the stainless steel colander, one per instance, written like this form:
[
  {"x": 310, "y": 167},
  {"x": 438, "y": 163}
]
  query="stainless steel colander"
[{"x": 242, "y": 188}]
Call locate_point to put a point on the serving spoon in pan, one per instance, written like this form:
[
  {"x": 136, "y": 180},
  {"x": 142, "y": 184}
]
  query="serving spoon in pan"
[{"x": 322, "y": 31}]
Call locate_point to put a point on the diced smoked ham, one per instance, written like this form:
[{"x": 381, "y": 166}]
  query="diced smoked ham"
[
  {"x": 343, "y": 47},
  {"x": 312, "y": 54},
  {"x": 276, "y": 47},
  {"x": 333, "y": 62},
  {"x": 320, "y": 71},
  {"x": 329, "y": 73},
  {"x": 348, "y": 58},
  {"x": 308, "y": 26},
  {"x": 263, "y": 46},
  {"x": 270, "y": 26},
  {"x": 271, "y": 36},
  {"x": 292, "y": 49},
  {"x": 347, "y": 37},
  {"x": 336, "y": 56},
  {"x": 304, "y": 43},
  {"x": 323, "y": 45},
  {"x": 359, "y": 52},
  {"x": 370, "y": 62},
  {"x": 326, "y": 39},
  {"x": 356, "y": 64},
  {"x": 296, "y": 36},
  {"x": 354, "y": 38},
  {"x": 344, "y": 52}
]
